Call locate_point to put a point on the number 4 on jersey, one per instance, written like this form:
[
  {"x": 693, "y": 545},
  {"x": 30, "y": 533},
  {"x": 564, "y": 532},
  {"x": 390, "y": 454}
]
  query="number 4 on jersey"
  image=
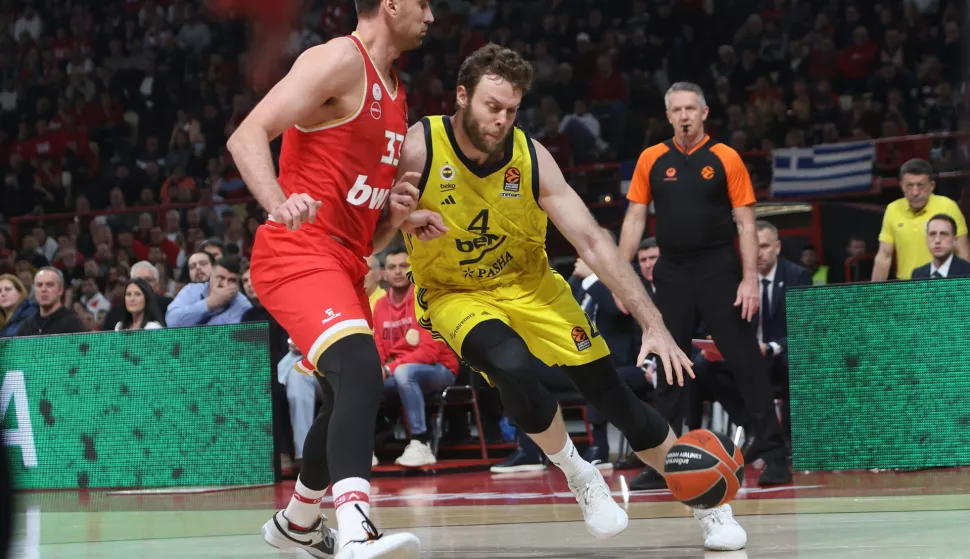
[{"x": 480, "y": 223}]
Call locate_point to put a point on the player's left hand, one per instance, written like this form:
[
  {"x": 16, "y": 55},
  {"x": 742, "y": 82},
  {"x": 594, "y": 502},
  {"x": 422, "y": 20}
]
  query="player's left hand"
[
  {"x": 748, "y": 298},
  {"x": 404, "y": 197},
  {"x": 658, "y": 341},
  {"x": 425, "y": 224}
]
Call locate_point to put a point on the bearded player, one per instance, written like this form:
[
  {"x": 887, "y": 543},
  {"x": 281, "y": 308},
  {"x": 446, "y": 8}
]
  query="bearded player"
[
  {"x": 486, "y": 287},
  {"x": 342, "y": 114}
]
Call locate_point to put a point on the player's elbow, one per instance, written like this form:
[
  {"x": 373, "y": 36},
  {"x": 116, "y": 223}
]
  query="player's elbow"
[
  {"x": 246, "y": 132},
  {"x": 594, "y": 244}
]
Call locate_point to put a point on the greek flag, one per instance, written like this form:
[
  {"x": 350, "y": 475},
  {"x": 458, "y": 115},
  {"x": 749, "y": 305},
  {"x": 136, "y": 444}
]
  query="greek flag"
[{"x": 824, "y": 169}]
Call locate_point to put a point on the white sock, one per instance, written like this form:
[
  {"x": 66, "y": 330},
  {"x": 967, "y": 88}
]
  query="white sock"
[
  {"x": 304, "y": 507},
  {"x": 569, "y": 461},
  {"x": 348, "y": 494}
]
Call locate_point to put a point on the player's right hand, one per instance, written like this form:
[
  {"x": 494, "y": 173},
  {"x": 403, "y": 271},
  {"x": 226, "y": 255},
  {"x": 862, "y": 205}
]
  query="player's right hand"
[
  {"x": 425, "y": 224},
  {"x": 296, "y": 210},
  {"x": 658, "y": 341},
  {"x": 404, "y": 197}
]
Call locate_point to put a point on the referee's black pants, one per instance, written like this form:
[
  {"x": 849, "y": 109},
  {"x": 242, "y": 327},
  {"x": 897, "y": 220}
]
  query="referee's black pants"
[{"x": 705, "y": 287}]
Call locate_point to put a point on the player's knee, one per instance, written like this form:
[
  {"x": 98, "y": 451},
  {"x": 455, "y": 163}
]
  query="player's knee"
[
  {"x": 495, "y": 349},
  {"x": 352, "y": 365},
  {"x": 602, "y": 387}
]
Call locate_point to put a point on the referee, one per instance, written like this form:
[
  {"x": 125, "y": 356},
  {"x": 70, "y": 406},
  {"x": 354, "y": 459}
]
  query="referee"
[{"x": 703, "y": 197}]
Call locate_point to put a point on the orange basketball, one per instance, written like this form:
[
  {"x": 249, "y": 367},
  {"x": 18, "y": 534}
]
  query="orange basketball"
[{"x": 704, "y": 469}]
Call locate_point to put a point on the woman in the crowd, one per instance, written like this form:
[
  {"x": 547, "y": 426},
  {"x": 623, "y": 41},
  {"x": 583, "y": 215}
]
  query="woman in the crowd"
[
  {"x": 15, "y": 305},
  {"x": 141, "y": 308}
]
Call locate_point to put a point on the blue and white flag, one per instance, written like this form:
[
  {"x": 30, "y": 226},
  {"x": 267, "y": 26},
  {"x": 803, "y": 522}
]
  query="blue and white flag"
[{"x": 823, "y": 169}]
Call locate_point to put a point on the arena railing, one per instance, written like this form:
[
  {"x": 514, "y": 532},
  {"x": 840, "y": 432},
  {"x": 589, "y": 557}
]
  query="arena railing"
[{"x": 599, "y": 185}]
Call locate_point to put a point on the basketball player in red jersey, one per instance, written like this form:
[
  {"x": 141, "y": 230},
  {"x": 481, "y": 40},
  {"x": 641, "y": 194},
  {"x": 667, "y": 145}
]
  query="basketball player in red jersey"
[{"x": 343, "y": 117}]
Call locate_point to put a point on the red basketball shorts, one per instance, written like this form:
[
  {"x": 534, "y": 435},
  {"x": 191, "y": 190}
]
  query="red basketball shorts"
[{"x": 317, "y": 298}]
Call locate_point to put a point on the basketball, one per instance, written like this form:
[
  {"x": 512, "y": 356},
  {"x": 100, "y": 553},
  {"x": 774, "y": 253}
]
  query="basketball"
[{"x": 704, "y": 469}]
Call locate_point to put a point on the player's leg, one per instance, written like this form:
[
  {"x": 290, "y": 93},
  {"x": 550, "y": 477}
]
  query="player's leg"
[
  {"x": 651, "y": 437},
  {"x": 587, "y": 362},
  {"x": 298, "y": 301},
  {"x": 324, "y": 315},
  {"x": 347, "y": 357},
  {"x": 493, "y": 347}
]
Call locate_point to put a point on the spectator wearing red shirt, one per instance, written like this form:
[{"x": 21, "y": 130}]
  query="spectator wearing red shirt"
[
  {"x": 415, "y": 363},
  {"x": 46, "y": 144},
  {"x": 857, "y": 62},
  {"x": 608, "y": 93},
  {"x": 823, "y": 62}
]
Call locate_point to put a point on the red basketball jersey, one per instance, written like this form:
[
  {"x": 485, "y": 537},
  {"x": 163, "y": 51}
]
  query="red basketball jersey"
[{"x": 349, "y": 165}]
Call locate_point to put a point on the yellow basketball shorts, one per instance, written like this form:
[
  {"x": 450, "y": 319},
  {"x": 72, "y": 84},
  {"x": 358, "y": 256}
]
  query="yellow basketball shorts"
[{"x": 544, "y": 313}]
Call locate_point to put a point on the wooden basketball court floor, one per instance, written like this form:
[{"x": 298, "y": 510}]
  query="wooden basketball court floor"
[{"x": 850, "y": 515}]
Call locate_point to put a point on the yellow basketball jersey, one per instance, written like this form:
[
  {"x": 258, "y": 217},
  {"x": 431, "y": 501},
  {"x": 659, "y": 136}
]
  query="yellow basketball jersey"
[{"x": 497, "y": 231}]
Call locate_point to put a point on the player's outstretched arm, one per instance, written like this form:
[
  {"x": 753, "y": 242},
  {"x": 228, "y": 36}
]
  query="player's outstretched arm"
[
  {"x": 318, "y": 75},
  {"x": 425, "y": 224},
  {"x": 571, "y": 216}
]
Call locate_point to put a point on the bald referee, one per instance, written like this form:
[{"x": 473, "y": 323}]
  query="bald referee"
[{"x": 703, "y": 197}]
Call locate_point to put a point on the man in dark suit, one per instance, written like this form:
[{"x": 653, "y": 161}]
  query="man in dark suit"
[
  {"x": 941, "y": 239},
  {"x": 775, "y": 276}
]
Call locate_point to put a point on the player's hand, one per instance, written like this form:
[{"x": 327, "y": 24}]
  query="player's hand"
[
  {"x": 296, "y": 210},
  {"x": 658, "y": 341},
  {"x": 748, "y": 298},
  {"x": 425, "y": 224},
  {"x": 404, "y": 197}
]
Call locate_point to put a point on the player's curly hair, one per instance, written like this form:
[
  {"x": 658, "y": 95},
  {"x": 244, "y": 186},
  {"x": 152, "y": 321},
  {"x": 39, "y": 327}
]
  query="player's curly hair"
[{"x": 495, "y": 60}]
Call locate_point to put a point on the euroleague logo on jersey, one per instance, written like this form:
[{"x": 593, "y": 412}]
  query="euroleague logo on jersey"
[
  {"x": 580, "y": 338},
  {"x": 512, "y": 179},
  {"x": 375, "y": 106}
]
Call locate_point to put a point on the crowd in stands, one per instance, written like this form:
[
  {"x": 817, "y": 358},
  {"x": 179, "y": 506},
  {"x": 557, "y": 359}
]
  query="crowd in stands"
[{"x": 127, "y": 105}]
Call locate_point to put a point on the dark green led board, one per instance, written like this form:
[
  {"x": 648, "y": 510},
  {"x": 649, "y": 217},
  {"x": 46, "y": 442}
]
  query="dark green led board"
[
  {"x": 880, "y": 375},
  {"x": 147, "y": 408}
]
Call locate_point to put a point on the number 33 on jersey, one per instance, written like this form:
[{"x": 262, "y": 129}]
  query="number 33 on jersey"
[{"x": 349, "y": 164}]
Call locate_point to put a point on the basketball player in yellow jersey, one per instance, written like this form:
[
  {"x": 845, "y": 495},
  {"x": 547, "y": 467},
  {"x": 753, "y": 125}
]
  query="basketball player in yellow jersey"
[{"x": 485, "y": 287}]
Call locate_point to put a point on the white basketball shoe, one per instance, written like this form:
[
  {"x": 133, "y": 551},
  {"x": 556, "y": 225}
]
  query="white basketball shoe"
[
  {"x": 721, "y": 531},
  {"x": 319, "y": 541},
  {"x": 604, "y": 518},
  {"x": 401, "y": 545}
]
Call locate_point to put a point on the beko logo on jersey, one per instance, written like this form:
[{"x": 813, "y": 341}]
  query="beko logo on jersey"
[
  {"x": 447, "y": 173},
  {"x": 362, "y": 193}
]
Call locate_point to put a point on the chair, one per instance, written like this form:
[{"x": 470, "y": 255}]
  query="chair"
[{"x": 470, "y": 391}]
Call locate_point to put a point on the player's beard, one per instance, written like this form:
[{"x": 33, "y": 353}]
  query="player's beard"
[{"x": 473, "y": 130}]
